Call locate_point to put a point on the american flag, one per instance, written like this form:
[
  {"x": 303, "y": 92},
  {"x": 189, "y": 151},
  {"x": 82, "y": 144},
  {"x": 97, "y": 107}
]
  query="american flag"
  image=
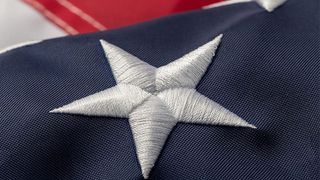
[
  {"x": 230, "y": 91},
  {"x": 27, "y": 20}
]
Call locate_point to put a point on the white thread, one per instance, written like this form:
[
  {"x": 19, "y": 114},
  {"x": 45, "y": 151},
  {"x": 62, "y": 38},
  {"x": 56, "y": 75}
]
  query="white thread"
[
  {"x": 154, "y": 99},
  {"x": 183, "y": 72},
  {"x": 187, "y": 70},
  {"x": 117, "y": 101},
  {"x": 189, "y": 106},
  {"x": 268, "y": 5},
  {"x": 23, "y": 44},
  {"x": 151, "y": 124},
  {"x": 129, "y": 69}
]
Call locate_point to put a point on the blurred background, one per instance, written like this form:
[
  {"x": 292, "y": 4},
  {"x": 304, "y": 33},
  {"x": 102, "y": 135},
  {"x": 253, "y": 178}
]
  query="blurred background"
[{"x": 29, "y": 20}]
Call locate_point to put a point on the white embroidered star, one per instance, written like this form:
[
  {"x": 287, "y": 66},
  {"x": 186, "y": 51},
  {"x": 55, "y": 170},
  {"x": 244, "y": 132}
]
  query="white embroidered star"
[{"x": 155, "y": 99}]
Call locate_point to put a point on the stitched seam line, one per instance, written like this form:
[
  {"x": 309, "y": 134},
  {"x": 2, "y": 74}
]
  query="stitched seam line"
[{"x": 75, "y": 10}]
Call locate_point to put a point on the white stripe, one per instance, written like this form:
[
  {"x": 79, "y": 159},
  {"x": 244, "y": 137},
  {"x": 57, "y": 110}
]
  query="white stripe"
[
  {"x": 53, "y": 17},
  {"x": 23, "y": 44},
  {"x": 19, "y": 22}
]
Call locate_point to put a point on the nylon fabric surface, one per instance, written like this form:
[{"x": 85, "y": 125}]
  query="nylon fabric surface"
[{"x": 266, "y": 71}]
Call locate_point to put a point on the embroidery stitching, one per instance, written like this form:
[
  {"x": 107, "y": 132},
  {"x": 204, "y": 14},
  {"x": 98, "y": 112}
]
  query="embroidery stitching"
[{"x": 155, "y": 99}]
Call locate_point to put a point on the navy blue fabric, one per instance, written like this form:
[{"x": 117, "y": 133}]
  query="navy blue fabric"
[{"x": 267, "y": 71}]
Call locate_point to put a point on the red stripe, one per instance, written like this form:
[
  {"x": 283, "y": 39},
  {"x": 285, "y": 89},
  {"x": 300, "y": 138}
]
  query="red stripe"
[
  {"x": 114, "y": 14},
  {"x": 64, "y": 14},
  {"x": 89, "y": 16}
]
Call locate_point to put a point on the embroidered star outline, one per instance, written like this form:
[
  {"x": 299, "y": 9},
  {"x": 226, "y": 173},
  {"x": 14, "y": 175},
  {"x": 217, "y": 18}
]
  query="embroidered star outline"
[{"x": 155, "y": 99}]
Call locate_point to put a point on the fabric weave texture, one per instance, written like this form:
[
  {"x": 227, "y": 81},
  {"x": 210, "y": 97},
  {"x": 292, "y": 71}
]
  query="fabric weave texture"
[{"x": 266, "y": 70}]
